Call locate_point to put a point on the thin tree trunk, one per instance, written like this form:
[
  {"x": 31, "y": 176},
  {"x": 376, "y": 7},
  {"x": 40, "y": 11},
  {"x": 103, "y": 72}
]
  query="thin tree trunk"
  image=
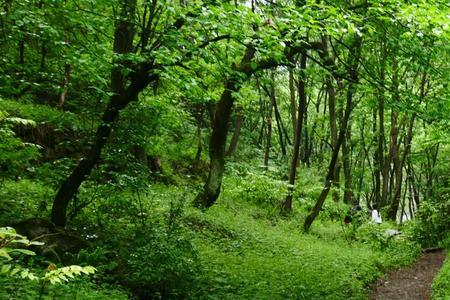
[
  {"x": 287, "y": 205},
  {"x": 328, "y": 61},
  {"x": 331, "y": 168},
  {"x": 415, "y": 190},
  {"x": 292, "y": 92},
  {"x": 269, "y": 128},
  {"x": 235, "y": 138},
  {"x": 65, "y": 85},
  {"x": 353, "y": 75},
  {"x": 281, "y": 137},
  {"x": 123, "y": 39},
  {"x": 305, "y": 137},
  {"x": 399, "y": 163},
  {"x": 348, "y": 193},
  {"x": 280, "y": 127},
  {"x": 382, "y": 165}
]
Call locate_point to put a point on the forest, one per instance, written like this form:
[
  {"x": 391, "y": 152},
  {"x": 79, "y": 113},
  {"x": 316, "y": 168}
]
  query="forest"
[{"x": 204, "y": 149}]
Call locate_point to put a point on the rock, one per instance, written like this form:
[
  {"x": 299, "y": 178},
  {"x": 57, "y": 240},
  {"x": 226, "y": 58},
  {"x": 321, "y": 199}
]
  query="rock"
[{"x": 392, "y": 232}]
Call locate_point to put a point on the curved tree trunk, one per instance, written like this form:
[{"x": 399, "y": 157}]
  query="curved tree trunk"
[
  {"x": 211, "y": 190},
  {"x": 123, "y": 39}
]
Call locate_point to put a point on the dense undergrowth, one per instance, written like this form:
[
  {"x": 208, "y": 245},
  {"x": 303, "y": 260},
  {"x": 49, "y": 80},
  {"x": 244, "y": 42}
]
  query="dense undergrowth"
[
  {"x": 156, "y": 246},
  {"x": 149, "y": 243}
]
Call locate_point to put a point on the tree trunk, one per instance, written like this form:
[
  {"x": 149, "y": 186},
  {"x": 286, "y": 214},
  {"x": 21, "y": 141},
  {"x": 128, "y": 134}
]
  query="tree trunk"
[
  {"x": 123, "y": 39},
  {"x": 237, "y": 131},
  {"x": 292, "y": 92},
  {"x": 381, "y": 165},
  {"x": 211, "y": 190},
  {"x": 287, "y": 205},
  {"x": 268, "y": 144},
  {"x": 328, "y": 61},
  {"x": 283, "y": 138},
  {"x": 394, "y": 148},
  {"x": 67, "y": 72},
  {"x": 331, "y": 168},
  {"x": 65, "y": 85},
  {"x": 304, "y": 144},
  {"x": 348, "y": 193},
  {"x": 280, "y": 127},
  {"x": 353, "y": 75}
]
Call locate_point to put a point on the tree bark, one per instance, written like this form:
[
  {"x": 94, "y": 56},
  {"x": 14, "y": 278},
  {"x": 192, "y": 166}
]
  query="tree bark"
[
  {"x": 211, "y": 190},
  {"x": 292, "y": 92},
  {"x": 348, "y": 192},
  {"x": 353, "y": 75},
  {"x": 394, "y": 148},
  {"x": 328, "y": 61},
  {"x": 268, "y": 143},
  {"x": 331, "y": 168},
  {"x": 235, "y": 138},
  {"x": 381, "y": 165},
  {"x": 283, "y": 138},
  {"x": 123, "y": 39},
  {"x": 287, "y": 204}
]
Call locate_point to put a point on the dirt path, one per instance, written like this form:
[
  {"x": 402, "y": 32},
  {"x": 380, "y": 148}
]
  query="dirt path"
[{"x": 411, "y": 283}]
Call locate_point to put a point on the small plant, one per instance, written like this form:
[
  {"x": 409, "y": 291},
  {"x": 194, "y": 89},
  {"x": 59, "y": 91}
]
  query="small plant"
[
  {"x": 9, "y": 241},
  {"x": 12, "y": 243}
]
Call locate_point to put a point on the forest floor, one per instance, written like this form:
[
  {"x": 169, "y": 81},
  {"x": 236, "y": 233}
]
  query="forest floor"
[{"x": 412, "y": 283}]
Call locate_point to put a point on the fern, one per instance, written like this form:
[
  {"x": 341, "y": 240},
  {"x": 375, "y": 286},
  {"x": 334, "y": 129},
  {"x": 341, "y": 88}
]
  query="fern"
[{"x": 64, "y": 274}]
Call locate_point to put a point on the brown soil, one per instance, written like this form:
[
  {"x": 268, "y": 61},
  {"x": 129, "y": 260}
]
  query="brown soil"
[{"x": 411, "y": 283}]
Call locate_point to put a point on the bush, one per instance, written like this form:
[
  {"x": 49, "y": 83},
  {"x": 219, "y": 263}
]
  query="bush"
[
  {"x": 23, "y": 199},
  {"x": 432, "y": 224},
  {"x": 259, "y": 189}
]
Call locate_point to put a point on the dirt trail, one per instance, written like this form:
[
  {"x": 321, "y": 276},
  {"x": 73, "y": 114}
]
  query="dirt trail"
[{"x": 411, "y": 283}]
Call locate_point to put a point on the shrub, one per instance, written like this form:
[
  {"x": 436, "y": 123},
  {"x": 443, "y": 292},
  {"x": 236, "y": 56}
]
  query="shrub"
[
  {"x": 14, "y": 275},
  {"x": 432, "y": 224}
]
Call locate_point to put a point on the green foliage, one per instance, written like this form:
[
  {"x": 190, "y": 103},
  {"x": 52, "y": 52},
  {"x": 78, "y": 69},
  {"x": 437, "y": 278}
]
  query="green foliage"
[
  {"x": 64, "y": 274},
  {"x": 12, "y": 244},
  {"x": 13, "y": 274},
  {"x": 41, "y": 114},
  {"x": 24, "y": 199},
  {"x": 384, "y": 238},
  {"x": 245, "y": 256},
  {"x": 15, "y": 155},
  {"x": 260, "y": 189},
  {"x": 441, "y": 283},
  {"x": 432, "y": 224},
  {"x": 146, "y": 238},
  {"x": 78, "y": 289}
]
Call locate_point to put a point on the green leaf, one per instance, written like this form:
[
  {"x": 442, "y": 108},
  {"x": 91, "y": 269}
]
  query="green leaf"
[
  {"x": 5, "y": 269},
  {"x": 4, "y": 253},
  {"x": 24, "y": 251}
]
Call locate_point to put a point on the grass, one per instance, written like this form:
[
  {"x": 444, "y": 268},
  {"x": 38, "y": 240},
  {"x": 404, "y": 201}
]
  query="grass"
[
  {"x": 242, "y": 250},
  {"x": 245, "y": 256},
  {"x": 441, "y": 283}
]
